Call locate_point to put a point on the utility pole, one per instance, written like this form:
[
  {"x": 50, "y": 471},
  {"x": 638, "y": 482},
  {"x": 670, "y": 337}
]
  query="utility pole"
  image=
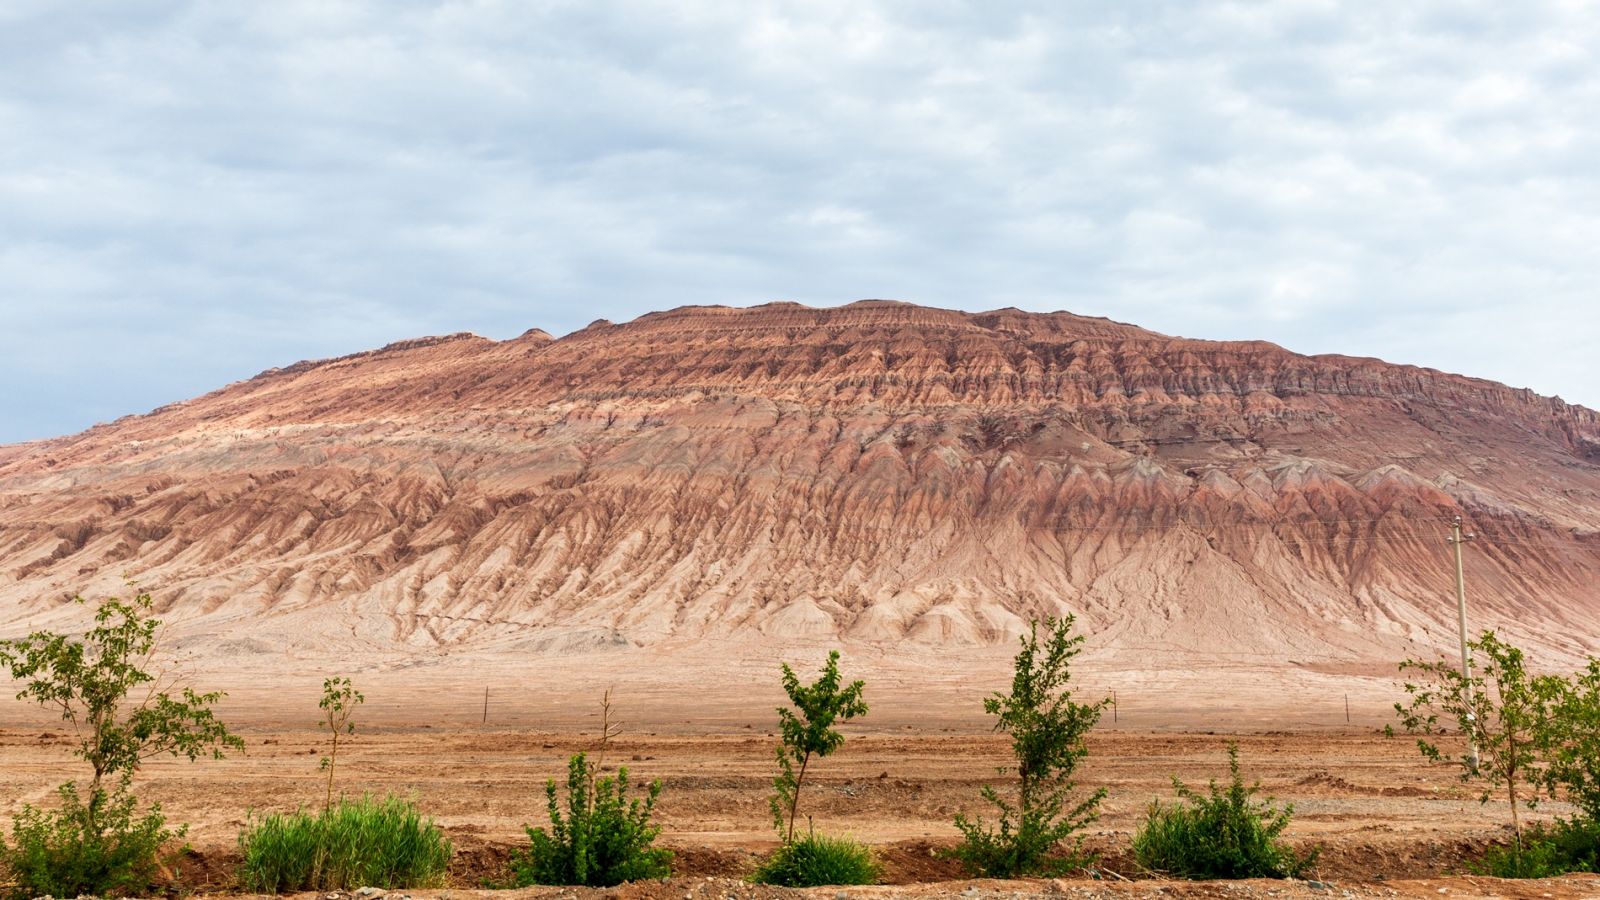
[{"x": 1456, "y": 539}]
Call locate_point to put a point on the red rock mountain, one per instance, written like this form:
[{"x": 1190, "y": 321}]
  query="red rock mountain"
[{"x": 876, "y": 474}]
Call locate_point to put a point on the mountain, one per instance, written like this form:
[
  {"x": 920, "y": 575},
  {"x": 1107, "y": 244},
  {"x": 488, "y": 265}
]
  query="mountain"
[{"x": 878, "y": 474}]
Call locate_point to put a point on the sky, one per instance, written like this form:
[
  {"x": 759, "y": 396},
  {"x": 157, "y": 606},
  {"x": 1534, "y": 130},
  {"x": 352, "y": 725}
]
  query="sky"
[{"x": 191, "y": 193}]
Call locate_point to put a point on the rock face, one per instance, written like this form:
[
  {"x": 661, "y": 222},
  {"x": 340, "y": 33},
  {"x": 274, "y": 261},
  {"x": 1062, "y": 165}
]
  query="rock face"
[{"x": 877, "y": 473}]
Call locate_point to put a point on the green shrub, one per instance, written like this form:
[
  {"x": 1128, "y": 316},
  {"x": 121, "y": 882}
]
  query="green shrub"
[
  {"x": 816, "y": 860},
  {"x": 1546, "y": 851},
  {"x": 1570, "y": 740},
  {"x": 603, "y": 839},
  {"x": 1047, "y": 740},
  {"x": 369, "y": 842},
  {"x": 62, "y": 853},
  {"x": 1225, "y": 833}
]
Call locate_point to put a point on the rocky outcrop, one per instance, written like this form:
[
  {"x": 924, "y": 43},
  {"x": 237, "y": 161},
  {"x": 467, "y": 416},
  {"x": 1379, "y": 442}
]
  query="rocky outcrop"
[{"x": 874, "y": 473}]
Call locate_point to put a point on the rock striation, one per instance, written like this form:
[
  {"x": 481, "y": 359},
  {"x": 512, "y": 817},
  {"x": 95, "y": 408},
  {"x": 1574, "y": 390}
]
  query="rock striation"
[{"x": 877, "y": 473}]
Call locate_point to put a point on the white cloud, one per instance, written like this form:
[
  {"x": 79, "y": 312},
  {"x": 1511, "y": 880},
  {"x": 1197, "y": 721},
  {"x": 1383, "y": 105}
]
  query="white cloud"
[{"x": 228, "y": 188}]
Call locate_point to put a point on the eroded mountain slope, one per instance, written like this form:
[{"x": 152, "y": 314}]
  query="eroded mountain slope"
[{"x": 878, "y": 473}]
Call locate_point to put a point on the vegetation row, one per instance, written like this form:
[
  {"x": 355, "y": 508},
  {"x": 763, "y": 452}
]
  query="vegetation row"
[{"x": 1528, "y": 737}]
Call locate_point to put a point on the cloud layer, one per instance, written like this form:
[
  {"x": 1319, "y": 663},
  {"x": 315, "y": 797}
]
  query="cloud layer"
[{"x": 190, "y": 193}]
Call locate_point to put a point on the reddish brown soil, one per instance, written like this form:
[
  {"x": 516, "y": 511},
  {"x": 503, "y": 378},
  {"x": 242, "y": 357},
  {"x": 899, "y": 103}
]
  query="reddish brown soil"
[{"x": 1388, "y": 823}]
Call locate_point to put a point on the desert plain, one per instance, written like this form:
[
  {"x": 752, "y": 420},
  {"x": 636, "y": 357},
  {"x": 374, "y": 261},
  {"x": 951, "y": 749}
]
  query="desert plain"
[{"x": 1388, "y": 822}]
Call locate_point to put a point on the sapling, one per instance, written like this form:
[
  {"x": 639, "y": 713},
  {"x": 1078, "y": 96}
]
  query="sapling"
[
  {"x": 810, "y": 733},
  {"x": 1047, "y": 729},
  {"x": 1571, "y": 743},
  {"x": 374, "y": 842},
  {"x": 339, "y": 701}
]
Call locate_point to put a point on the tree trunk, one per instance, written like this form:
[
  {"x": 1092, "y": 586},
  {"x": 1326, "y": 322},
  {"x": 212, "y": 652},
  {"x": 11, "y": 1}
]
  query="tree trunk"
[
  {"x": 1511, "y": 789},
  {"x": 1516, "y": 825},
  {"x": 333, "y": 758},
  {"x": 95, "y": 794},
  {"x": 794, "y": 801}
]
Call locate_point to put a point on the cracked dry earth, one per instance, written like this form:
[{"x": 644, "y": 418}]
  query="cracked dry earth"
[{"x": 1389, "y": 824}]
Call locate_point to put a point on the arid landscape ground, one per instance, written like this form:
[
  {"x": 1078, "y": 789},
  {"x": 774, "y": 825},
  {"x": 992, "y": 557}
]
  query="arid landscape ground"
[{"x": 1389, "y": 823}]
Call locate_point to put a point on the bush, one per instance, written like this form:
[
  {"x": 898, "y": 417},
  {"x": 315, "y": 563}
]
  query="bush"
[
  {"x": 1570, "y": 740},
  {"x": 816, "y": 860},
  {"x": 62, "y": 853},
  {"x": 1546, "y": 851},
  {"x": 369, "y": 842},
  {"x": 603, "y": 840},
  {"x": 1223, "y": 834},
  {"x": 1047, "y": 740}
]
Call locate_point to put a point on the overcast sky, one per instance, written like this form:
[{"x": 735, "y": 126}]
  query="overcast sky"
[{"x": 193, "y": 192}]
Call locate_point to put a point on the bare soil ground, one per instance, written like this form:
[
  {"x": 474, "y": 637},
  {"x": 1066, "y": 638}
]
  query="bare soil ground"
[{"x": 1388, "y": 823}]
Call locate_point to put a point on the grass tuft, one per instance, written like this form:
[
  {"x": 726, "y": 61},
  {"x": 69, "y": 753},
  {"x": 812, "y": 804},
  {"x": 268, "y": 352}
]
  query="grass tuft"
[
  {"x": 369, "y": 842},
  {"x": 816, "y": 860}
]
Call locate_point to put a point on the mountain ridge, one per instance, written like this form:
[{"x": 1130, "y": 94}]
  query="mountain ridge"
[
  {"x": 875, "y": 473},
  {"x": 539, "y": 336}
]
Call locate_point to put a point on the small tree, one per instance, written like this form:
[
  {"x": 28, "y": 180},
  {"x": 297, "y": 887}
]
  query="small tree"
[
  {"x": 1500, "y": 709},
  {"x": 811, "y": 733},
  {"x": 339, "y": 701},
  {"x": 94, "y": 844},
  {"x": 1047, "y": 731},
  {"x": 1571, "y": 742}
]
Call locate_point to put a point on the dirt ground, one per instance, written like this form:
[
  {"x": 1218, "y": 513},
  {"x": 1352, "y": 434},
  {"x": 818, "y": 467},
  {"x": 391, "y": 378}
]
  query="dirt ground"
[{"x": 1387, "y": 822}]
